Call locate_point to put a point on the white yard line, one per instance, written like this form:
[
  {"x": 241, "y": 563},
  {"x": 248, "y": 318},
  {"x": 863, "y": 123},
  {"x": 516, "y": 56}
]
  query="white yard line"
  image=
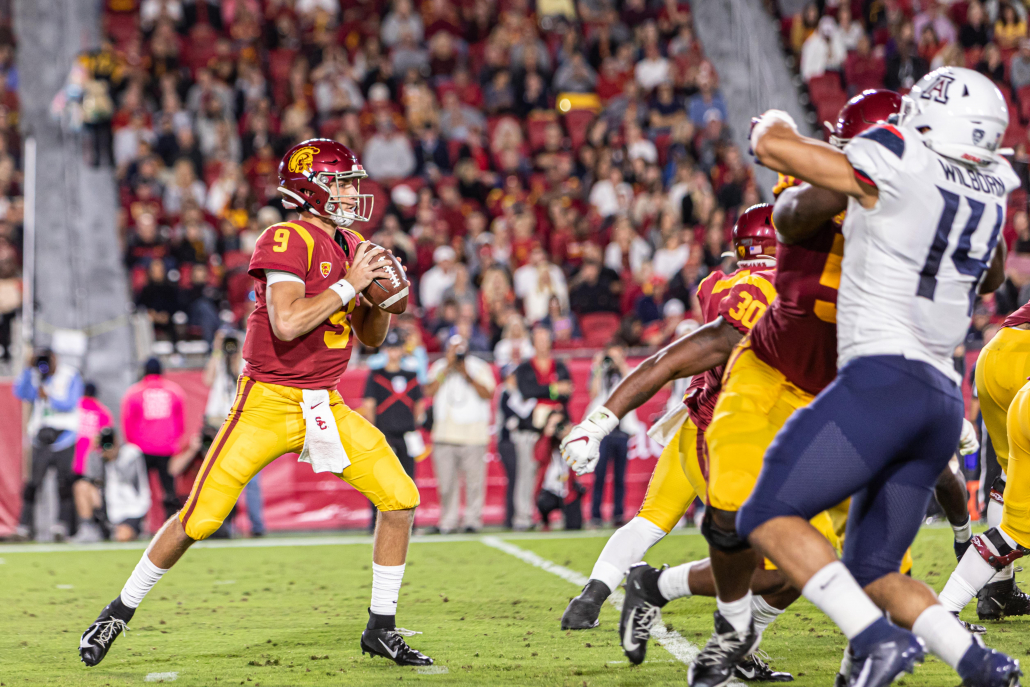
[
  {"x": 310, "y": 540},
  {"x": 672, "y": 641},
  {"x": 161, "y": 677}
]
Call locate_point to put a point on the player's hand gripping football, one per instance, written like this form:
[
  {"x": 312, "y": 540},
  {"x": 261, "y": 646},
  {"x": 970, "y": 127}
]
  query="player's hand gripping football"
[
  {"x": 362, "y": 271},
  {"x": 967, "y": 442},
  {"x": 581, "y": 449}
]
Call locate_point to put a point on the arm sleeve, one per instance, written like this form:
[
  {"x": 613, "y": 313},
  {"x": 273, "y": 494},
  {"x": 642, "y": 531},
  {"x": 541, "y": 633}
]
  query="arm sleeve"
[
  {"x": 281, "y": 247},
  {"x": 24, "y": 389},
  {"x": 747, "y": 301},
  {"x": 876, "y": 155},
  {"x": 276, "y": 276}
]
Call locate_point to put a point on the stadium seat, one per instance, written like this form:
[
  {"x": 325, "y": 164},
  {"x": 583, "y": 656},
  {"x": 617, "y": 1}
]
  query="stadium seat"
[
  {"x": 577, "y": 123},
  {"x": 598, "y": 328},
  {"x": 536, "y": 125}
]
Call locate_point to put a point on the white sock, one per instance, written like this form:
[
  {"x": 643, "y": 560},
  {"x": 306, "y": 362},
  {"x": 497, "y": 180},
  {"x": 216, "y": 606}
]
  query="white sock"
[
  {"x": 943, "y": 634},
  {"x": 737, "y": 613},
  {"x": 625, "y": 547},
  {"x": 964, "y": 531},
  {"x": 674, "y": 583},
  {"x": 764, "y": 613},
  {"x": 845, "y": 662},
  {"x": 970, "y": 576},
  {"x": 995, "y": 511},
  {"x": 141, "y": 581},
  {"x": 838, "y": 595},
  {"x": 386, "y": 587}
]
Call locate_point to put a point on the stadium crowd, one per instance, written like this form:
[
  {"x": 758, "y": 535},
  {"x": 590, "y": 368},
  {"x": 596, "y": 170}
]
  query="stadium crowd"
[
  {"x": 843, "y": 48},
  {"x": 566, "y": 163}
]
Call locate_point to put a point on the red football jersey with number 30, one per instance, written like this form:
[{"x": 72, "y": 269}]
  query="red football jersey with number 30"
[
  {"x": 741, "y": 299},
  {"x": 317, "y": 359}
]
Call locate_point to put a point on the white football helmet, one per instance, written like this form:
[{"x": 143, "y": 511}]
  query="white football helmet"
[{"x": 961, "y": 114}]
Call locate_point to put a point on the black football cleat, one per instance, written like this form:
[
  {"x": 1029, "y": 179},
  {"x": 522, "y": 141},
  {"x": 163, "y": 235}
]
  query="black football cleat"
[
  {"x": 640, "y": 610},
  {"x": 390, "y": 644},
  {"x": 971, "y": 628},
  {"x": 99, "y": 636},
  {"x": 717, "y": 662},
  {"x": 583, "y": 610},
  {"x": 755, "y": 669},
  {"x": 1000, "y": 599}
]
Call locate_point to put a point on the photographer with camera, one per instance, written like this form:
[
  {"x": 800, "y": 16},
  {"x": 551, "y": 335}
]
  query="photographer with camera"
[
  {"x": 608, "y": 369},
  {"x": 220, "y": 374},
  {"x": 462, "y": 387},
  {"x": 557, "y": 488},
  {"x": 114, "y": 492},
  {"x": 54, "y": 390}
]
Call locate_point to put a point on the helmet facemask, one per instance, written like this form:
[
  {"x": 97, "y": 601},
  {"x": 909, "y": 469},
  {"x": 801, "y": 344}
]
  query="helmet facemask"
[{"x": 344, "y": 209}]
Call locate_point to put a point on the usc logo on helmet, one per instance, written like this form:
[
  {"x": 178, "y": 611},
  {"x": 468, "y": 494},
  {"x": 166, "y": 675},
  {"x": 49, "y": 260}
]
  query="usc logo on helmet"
[{"x": 301, "y": 160}]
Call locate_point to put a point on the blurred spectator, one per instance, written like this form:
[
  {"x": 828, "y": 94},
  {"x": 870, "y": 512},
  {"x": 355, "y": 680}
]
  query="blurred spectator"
[
  {"x": 660, "y": 332},
  {"x": 557, "y": 487},
  {"x": 863, "y": 69},
  {"x": 671, "y": 257},
  {"x": 575, "y": 76},
  {"x": 851, "y": 31},
  {"x": 610, "y": 194},
  {"x": 400, "y": 22},
  {"x": 184, "y": 185},
  {"x": 627, "y": 250},
  {"x": 653, "y": 69},
  {"x": 607, "y": 370},
  {"x": 905, "y": 66},
  {"x": 562, "y": 322},
  {"x": 438, "y": 278},
  {"x": 514, "y": 413},
  {"x": 823, "y": 51},
  {"x": 393, "y": 403},
  {"x": 10, "y": 295},
  {"x": 536, "y": 282},
  {"x": 547, "y": 382},
  {"x": 803, "y": 26},
  {"x": 159, "y": 298},
  {"x": 991, "y": 64},
  {"x": 93, "y": 416},
  {"x": 53, "y": 390},
  {"x": 1010, "y": 27},
  {"x": 114, "y": 492},
  {"x": 462, "y": 290},
  {"x": 200, "y": 302},
  {"x": 388, "y": 154},
  {"x": 595, "y": 287},
  {"x": 706, "y": 100},
  {"x": 221, "y": 373},
  {"x": 153, "y": 418},
  {"x": 462, "y": 387},
  {"x": 514, "y": 346},
  {"x": 1019, "y": 68},
  {"x": 935, "y": 16},
  {"x": 976, "y": 31}
]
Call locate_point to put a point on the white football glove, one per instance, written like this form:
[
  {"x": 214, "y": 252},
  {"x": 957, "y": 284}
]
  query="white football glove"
[
  {"x": 581, "y": 449},
  {"x": 760, "y": 125},
  {"x": 968, "y": 443}
]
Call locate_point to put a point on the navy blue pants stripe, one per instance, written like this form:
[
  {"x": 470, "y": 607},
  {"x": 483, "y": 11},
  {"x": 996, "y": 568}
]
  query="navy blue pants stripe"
[{"x": 881, "y": 432}]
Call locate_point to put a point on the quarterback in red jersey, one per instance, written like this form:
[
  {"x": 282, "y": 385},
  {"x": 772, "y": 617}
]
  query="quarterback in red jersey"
[{"x": 310, "y": 273}]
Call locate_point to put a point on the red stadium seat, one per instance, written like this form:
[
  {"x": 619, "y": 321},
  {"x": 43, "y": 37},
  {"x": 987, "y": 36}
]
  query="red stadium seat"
[
  {"x": 826, "y": 85},
  {"x": 598, "y": 328},
  {"x": 577, "y": 123},
  {"x": 536, "y": 125},
  {"x": 1023, "y": 97}
]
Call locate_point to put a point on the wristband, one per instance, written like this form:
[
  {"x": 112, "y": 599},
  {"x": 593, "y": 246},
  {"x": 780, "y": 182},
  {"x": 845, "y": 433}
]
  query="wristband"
[
  {"x": 345, "y": 290},
  {"x": 604, "y": 419},
  {"x": 766, "y": 121}
]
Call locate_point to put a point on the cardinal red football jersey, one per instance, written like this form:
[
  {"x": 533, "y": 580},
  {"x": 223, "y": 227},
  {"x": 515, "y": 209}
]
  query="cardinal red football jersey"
[
  {"x": 741, "y": 299},
  {"x": 317, "y": 359},
  {"x": 798, "y": 336},
  {"x": 1020, "y": 316}
]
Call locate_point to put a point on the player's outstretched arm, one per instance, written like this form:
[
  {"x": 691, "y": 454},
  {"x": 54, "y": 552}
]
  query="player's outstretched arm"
[
  {"x": 777, "y": 145},
  {"x": 701, "y": 350},
  {"x": 292, "y": 315},
  {"x": 995, "y": 275},
  {"x": 801, "y": 211}
]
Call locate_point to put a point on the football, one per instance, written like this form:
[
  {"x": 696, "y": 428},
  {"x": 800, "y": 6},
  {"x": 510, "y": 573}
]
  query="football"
[{"x": 391, "y": 292}]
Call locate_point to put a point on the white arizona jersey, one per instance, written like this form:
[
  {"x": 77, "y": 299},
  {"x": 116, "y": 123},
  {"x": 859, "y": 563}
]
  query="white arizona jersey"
[{"x": 912, "y": 262}]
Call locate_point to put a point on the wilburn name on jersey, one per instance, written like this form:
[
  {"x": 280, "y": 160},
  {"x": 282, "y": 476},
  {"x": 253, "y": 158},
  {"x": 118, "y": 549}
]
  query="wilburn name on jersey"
[{"x": 978, "y": 181}]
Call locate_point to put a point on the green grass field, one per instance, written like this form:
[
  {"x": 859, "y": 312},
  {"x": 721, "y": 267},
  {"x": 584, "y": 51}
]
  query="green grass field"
[{"x": 285, "y": 614}]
